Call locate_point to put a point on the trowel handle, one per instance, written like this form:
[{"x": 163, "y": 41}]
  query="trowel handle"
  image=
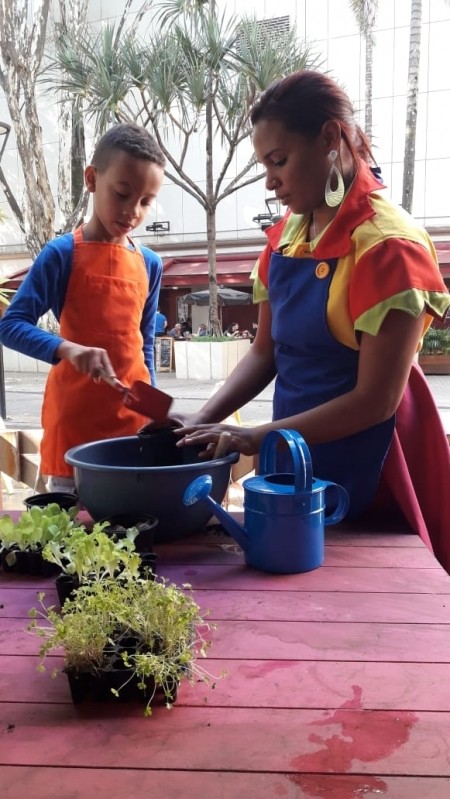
[
  {"x": 222, "y": 444},
  {"x": 114, "y": 382}
]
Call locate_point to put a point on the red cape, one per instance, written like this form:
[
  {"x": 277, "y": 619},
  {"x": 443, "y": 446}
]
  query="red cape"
[{"x": 417, "y": 467}]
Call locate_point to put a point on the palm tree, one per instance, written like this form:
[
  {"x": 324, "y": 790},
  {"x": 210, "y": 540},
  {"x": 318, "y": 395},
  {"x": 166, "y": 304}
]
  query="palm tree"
[
  {"x": 195, "y": 73},
  {"x": 365, "y": 12},
  {"x": 411, "y": 104}
]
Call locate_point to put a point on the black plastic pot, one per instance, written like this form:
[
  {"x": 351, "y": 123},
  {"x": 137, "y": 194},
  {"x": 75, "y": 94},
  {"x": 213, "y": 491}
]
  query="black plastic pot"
[
  {"x": 97, "y": 687},
  {"x": 66, "y": 585},
  {"x": 14, "y": 556},
  {"x": 29, "y": 561},
  {"x": 118, "y": 526},
  {"x": 66, "y": 501}
]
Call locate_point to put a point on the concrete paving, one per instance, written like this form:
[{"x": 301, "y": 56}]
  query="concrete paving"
[{"x": 24, "y": 393}]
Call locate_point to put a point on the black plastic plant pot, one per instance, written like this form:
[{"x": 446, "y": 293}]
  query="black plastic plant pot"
[
  {"x": 37, "y": 566},
  {"x": 66, "y": 586},
  {"x": 65, "y": 500},
  {"x": 28, "y": 561},
  {"x": 10, "y": 558},
  {"x": 98, "y": 687},
  {"x": 147, "y": 567},
  {"x": 118, "y": 526}
]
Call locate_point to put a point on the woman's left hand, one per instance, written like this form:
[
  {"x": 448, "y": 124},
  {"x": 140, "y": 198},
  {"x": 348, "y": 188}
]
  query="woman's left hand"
[{"x": 242, "y": 439}]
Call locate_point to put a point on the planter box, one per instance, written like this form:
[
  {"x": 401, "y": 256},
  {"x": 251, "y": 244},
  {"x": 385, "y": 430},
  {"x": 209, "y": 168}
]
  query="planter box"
[
  {"x": 208, "y": 360},
  {"x": 435, "y": 364},
  {"x": 14, "y": 361},
  {"x": 98, "y": 687}
]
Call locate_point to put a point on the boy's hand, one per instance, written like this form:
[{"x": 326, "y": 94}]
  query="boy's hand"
[{"x": 93, "y": 361}]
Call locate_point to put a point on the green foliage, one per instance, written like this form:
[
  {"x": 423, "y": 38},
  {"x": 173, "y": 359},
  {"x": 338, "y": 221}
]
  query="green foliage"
[
  {"x": 5, "y": 293},
  {"x": 162, "y": 618},
  {"x": 436, "y": 341},
  {"x": 211, "y": 338},
  {"x": 94, "y": 555},
  {"x": 35, "y": 528}
]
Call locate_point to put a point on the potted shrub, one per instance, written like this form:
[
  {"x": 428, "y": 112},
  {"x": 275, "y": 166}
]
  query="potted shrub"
[
  {"x": 127, "y": 638},
  {"x": 434, "y": 357},
  {"x": 208, "y": 357},
  {"x": 22, "y": 542}
]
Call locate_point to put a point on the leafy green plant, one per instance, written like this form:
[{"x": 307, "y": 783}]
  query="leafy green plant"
[
  {"x": 34, "y": 529},
  {"x": 211, "y": 338},
  {"x": 436, "y": 341},
  {"x": 94, "y": 555},
  {"x": 5, "y": 293},
  {"x": 96, "y": 627}
]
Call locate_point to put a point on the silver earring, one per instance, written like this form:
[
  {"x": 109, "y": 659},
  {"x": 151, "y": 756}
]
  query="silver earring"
[{"x": 334, "y": 197}]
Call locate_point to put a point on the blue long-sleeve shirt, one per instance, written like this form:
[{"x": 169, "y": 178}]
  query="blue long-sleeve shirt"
[{"x": 44, "y": 289}]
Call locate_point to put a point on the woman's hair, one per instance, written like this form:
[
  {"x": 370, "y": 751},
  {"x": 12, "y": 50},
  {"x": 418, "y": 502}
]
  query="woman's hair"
[
  {"x": 132, "y": 139},
  {"x": 304, "y": 101}
]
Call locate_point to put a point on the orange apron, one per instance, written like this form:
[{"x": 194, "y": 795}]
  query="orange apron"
[{"x": 103, "y": 307}]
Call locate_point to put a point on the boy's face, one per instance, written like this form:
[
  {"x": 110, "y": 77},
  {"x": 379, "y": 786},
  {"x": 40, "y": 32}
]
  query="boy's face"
[{"x": 123, "y": 194}]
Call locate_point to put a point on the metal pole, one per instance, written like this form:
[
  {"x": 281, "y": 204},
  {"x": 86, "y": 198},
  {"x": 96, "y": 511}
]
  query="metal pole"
[
  {"x": 2, "y": 386},
  {"x": 4, "y": 131}
]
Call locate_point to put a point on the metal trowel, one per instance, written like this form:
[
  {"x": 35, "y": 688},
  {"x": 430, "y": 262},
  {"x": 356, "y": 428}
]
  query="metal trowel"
[{"x": 143, "y": 398}]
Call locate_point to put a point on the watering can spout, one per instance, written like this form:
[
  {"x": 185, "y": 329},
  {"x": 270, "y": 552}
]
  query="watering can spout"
[{"x": 198, "y": 491}]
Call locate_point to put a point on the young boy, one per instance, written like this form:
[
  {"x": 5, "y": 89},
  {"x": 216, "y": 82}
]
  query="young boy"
[{"x": 103, "y": 289}]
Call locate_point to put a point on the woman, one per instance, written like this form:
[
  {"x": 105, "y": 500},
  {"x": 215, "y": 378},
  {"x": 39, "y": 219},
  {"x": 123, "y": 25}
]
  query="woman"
[
  {"x": 232, "y": 330},
  {"x": 346, "y": 287}
]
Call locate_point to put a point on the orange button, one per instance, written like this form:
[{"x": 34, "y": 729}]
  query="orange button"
[{"x": 322, "y": 270}]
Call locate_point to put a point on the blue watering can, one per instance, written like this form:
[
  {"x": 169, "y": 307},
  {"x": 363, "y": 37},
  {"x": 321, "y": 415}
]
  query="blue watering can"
[{"x": 284, "y": 513}]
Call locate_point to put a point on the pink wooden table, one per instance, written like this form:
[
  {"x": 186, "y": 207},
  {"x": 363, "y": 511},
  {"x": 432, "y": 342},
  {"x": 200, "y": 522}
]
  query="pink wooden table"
[{"x": 338, "y": 685}]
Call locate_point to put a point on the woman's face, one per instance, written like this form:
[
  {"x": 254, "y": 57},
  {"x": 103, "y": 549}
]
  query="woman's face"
[{"x": 296, "y": 167}]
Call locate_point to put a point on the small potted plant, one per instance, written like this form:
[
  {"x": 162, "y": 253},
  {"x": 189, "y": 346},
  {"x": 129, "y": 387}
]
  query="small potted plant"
[
  {"x": 84, "y": 557},
  {"x": 22, "y": 541},
  {"x": 129, "y": 638}
]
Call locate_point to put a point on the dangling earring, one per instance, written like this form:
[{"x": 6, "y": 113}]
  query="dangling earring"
[{"x": 334, "y": 197}]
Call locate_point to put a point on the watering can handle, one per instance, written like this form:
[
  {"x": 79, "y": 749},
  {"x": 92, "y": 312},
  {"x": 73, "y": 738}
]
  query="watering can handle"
[{"x": 299, "y": 452}]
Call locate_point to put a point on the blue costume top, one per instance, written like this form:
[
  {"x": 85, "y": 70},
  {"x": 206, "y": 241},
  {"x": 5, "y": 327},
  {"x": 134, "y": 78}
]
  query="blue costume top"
[{"x": 44, "y": 289}]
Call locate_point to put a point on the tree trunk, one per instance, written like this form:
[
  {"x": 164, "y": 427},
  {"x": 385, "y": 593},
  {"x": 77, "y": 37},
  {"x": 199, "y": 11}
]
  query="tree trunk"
[
  {"x": 411, "y": 107},
  {"x": 214, "y": 322},
  {"x": 369, "y": 84}
]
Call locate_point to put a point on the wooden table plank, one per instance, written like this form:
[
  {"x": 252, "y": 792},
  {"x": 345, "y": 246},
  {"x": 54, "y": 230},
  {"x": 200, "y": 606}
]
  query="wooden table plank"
[
  {"x": 266, "y": 683},
  {"x": 338, "y": 555},
  {"x": 281, "y": 605},
  {"x": 337, "y": 685},
  {"x": 261, "y": 640},
  {"x": 239, "y": 578},
  {"x": 308, "y": 741},
  {"x": 67, "y": 783}
]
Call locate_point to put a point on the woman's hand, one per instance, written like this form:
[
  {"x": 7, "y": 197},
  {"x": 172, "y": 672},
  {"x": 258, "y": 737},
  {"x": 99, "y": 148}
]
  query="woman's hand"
[{"x": 242, "y": 439}]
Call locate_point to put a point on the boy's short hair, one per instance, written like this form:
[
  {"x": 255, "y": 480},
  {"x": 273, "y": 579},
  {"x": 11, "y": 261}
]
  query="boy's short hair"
[{"x": 132, "y": 139}]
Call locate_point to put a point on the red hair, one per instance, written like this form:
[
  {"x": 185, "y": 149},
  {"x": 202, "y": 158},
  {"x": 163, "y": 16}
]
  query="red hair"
[{"x": 304, "y": 101}]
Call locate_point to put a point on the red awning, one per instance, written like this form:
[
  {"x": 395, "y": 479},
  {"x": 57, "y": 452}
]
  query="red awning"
[
  {"x": 193, "y": 271},
  {"x": 232, "y": 269},
  {"x": 443, "y": 254}
]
